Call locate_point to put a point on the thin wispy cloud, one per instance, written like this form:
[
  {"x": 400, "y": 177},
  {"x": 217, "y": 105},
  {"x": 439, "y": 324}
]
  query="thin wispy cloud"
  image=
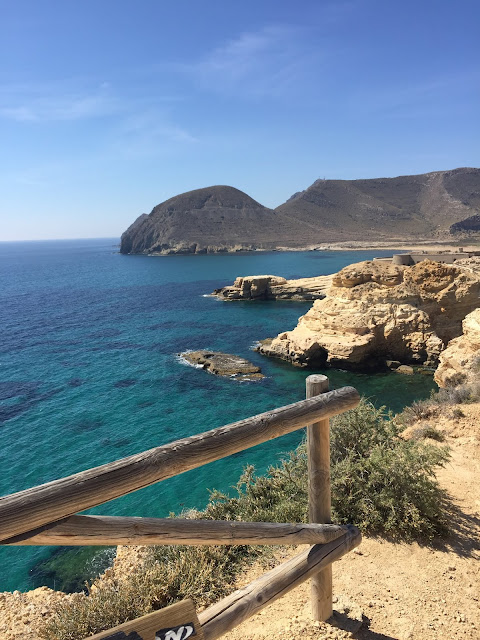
[
  {"x": 438, "y": 96},
  {"x": 268, "y": 62},
  {"x": 34, "y": 174},
  {"x": 150, "y": 133},
  {"x": 52, "y": 104},
  {"x": 140, "y": 124}
]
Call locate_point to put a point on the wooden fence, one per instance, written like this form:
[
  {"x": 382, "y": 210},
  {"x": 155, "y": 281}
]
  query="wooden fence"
[{"x": 45, "y": 515}]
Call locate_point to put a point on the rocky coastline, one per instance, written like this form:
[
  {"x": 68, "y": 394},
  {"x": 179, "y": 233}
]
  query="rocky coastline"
[
  {"x": 374, "y": 315},
  {"x": 377, "y": 311}
]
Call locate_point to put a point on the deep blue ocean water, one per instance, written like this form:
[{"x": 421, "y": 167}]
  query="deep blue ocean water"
[{"x": 89, "y": 371}]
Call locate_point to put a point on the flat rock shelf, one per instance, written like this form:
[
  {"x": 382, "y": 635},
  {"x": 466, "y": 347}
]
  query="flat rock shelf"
[{"x": 223, "y": 364}]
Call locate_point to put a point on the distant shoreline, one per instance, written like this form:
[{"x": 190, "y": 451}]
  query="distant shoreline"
[
  {"x": 353, "y": 245},
  {"x": 401, "y": 245}
]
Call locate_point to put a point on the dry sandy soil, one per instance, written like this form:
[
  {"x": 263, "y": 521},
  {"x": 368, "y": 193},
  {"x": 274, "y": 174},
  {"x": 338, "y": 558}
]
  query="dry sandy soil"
[
  {"x": 382, "y": 591},
  {"x": 400, "y": 245}
]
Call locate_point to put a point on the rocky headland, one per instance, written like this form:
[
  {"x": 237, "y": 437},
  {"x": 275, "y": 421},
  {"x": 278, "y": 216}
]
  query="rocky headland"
[
  {"x": 223, "y": 219},
  {"x": 275, "y": 288},
  {"x": 377, "y": 311},
  {"x": 223, "y": 364},
  {"x": 215, "y": 219}
]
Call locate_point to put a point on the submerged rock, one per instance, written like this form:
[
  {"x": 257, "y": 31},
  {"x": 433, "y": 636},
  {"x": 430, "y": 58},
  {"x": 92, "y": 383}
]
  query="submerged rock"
[
  {"x": 405, "y": 369},
  {"x": 377, "y": 311},
  {"x": 275, "y": 288},
  {"x": 223, "y": 364}
]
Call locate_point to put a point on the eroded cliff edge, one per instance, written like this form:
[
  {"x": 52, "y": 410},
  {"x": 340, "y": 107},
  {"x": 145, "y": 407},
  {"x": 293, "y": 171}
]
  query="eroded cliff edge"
[
  {"x": 376, "y": 311},
  {"x": 460, "y": 361}
]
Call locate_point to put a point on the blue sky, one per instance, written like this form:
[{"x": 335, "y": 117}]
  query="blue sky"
[{"x": 108, "y": 107}]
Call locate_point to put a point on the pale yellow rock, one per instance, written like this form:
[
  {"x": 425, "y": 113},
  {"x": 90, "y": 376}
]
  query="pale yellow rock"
[
  {"x": 459, "y": 362},
  {"x": 270, "y": 287},
  {"x": 376, "y": 311}
]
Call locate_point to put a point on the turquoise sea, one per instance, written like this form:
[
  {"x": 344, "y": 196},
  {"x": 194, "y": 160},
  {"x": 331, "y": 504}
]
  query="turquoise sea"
[{"x": 89, "y": 373}]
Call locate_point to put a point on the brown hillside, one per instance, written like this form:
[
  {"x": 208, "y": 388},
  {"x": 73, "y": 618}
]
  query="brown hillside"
[
  {"x": 222, "y": 218},
  {"x": 213, "y": 219},
  {"x": 384, "y": 207}
]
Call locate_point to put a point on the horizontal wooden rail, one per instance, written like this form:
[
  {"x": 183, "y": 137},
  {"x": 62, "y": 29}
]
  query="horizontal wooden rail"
[
  {"x": 35, "y": 507},
  {"x": 240, "y": 605},
  {"x": 113, "y": 530}
]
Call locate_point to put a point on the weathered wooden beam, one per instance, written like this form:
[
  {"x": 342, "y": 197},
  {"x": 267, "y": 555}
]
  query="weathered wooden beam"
[
  {"x": 113, "y": 530},
  {"x": 58, "y": 499},
  {"x": 319, "y": 494},
  {"x": 244, "y": 603}
]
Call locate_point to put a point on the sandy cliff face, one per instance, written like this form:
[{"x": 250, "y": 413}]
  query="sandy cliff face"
[
  {"x": 460, "y": 361},
  {"x": 376, "y": 311}
]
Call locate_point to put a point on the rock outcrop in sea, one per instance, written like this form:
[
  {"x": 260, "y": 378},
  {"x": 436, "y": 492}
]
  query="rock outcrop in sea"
[
  {"x": 275, "y": 288},
  {"x": 376, "y": 311},
  {"x": 223, "y": 364}
]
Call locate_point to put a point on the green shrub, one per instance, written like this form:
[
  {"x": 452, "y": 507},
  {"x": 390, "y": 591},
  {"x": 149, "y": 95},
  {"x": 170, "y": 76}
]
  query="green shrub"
[
  {"x": 109, "y": 603},
  {"x": 382, "y": 483},
  {"x": 278, "y": 496},
  {"x": 419, "y": 410},
  {"x": 424, "y": 431}
]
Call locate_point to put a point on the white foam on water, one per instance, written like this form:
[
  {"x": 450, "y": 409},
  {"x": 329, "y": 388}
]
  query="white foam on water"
[{"x": 179, "y": 358}]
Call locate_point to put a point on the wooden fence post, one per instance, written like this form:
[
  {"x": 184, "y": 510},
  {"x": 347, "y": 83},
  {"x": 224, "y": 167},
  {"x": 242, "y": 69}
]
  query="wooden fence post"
[{"x": 319, "y": 495}]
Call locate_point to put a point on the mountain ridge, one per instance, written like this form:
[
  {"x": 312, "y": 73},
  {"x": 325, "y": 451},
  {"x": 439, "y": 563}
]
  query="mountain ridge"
[{"x": 222, "y": 218}]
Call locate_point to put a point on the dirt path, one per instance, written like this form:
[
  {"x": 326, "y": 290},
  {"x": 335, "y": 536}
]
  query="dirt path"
[{"x": 387, "y": 591}]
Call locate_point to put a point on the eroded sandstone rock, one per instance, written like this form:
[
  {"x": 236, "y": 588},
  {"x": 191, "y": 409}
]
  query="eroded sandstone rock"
[
  {"x": 270, "y": 287},
  {"x": 376, "y": 311},
  {"x": 460, "y": 361}
]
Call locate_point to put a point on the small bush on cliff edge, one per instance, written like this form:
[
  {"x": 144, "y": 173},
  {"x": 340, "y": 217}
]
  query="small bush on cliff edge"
[
  {"x": 440, "y": 403},
  {"x": 381, "y": 483}
]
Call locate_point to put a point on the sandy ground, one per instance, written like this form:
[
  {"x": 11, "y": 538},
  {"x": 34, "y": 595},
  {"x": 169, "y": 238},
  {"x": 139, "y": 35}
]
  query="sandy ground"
[
  {"x": 382, "y": 591},
  {"x": 385, "y": 591},
  {"x": 396, "y": 245}
]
